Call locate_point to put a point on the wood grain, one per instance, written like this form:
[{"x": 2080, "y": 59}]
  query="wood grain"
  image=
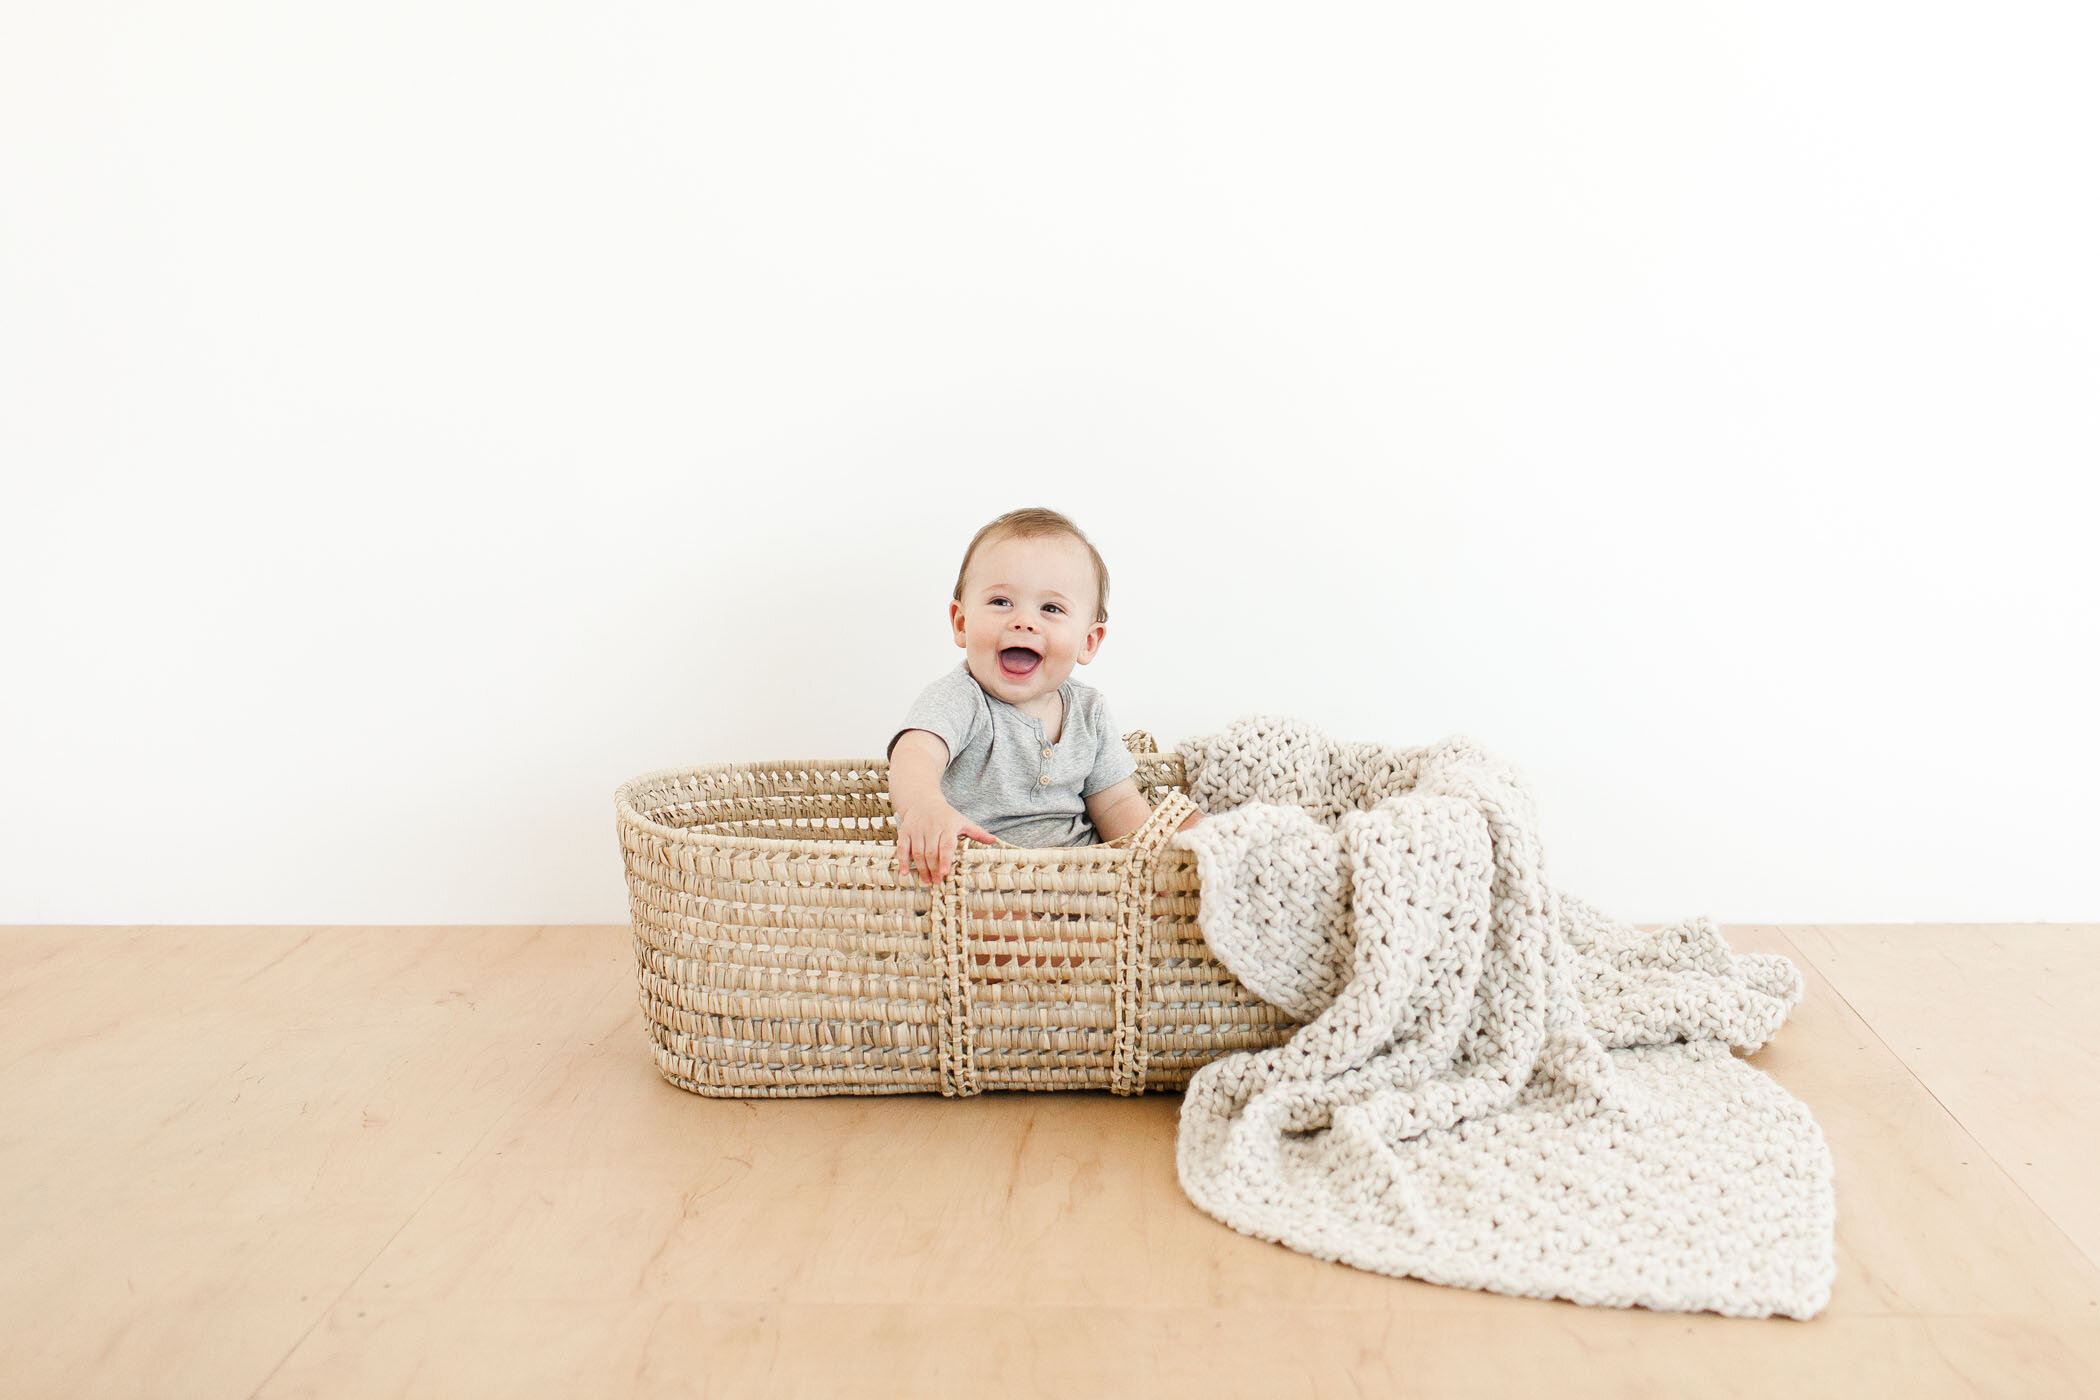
[
  {"x": 439, "y": 1162},
  {"x": 1999, "y": 1022}
]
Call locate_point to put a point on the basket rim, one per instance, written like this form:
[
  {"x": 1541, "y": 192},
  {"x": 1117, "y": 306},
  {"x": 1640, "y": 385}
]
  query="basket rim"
[{"x": 629, "y": 815}]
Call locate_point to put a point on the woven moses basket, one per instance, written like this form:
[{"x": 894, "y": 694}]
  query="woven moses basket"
[{"x": 780, "y": 953}]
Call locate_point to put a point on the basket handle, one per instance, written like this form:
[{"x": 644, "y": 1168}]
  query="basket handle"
[
  {"x": 952, "y": 984},
  {"x": 1134, "y": 939},
  {"x": 1132, "y": 993}
]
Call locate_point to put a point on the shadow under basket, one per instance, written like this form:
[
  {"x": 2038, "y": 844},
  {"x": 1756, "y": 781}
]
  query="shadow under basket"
[{"x": 780, "y": 953}]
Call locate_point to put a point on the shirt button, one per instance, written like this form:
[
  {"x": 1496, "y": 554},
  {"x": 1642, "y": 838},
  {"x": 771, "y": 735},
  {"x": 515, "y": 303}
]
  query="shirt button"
[
  {"x": 1043, "y": 781},
  {"x": 1046, "y": 753}
]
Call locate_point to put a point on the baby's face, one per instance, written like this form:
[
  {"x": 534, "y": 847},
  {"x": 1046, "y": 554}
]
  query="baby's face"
[{"x": 1027, "y": 615}]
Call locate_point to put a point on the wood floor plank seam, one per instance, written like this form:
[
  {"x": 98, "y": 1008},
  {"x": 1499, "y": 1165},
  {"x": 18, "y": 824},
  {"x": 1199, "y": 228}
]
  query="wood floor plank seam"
[
  {"x": 604, "y": 1233},
  {"x": 1879, "y": 1039},
  {"x": 496, "y": 1120},
  {"x": 2012, "y": 1178}
]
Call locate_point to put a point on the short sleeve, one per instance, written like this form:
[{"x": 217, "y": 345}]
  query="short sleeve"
[
  {"x": 951, "y": 707},
  {"x": 1112, "y": 760}
]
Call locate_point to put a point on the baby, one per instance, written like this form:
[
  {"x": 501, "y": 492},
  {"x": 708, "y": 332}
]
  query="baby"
[{"x": 1007, "y": 746}]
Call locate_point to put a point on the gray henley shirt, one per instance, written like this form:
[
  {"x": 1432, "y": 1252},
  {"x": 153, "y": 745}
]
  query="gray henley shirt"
[{"x": 1005, "y": 775}]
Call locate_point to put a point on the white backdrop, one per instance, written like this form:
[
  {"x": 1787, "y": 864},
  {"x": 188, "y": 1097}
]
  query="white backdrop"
[{"x": 418, "y": 418}]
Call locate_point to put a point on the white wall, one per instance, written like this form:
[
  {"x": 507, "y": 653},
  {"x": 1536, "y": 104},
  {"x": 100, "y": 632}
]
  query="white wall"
[{"x": 418, "y": 418}]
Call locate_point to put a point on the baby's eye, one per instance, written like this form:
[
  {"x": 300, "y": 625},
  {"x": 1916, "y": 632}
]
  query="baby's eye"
[
  {"x": 1052, "y": 607},
  {"x": 997, "y": 601}
]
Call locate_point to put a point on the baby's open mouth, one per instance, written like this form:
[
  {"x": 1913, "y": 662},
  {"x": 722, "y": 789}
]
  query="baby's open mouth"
[{"x": 1018, "y": 661}]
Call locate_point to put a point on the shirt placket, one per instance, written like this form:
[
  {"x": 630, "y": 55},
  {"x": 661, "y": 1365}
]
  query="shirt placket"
[{"x": 1042, "y": 761}]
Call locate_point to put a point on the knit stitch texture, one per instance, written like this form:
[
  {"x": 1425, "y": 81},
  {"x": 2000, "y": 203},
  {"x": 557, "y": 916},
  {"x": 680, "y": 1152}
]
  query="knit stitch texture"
[{"x": 1497, "y": 1086}]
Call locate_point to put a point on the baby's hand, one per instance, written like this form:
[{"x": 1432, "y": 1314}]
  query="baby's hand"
[{"x": 926, "y": 840}]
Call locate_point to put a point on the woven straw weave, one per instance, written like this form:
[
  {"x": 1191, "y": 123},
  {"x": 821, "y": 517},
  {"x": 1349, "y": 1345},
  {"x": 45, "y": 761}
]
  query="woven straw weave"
[{"x": 780, "y": 953}]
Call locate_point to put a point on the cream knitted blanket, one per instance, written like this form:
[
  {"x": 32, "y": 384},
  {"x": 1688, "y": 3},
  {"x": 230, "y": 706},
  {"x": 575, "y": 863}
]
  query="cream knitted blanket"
[{"x": 1497, "y": 1086}]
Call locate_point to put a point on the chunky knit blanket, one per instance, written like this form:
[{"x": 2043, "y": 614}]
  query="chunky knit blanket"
[{"x": 1496, "y": 1086}]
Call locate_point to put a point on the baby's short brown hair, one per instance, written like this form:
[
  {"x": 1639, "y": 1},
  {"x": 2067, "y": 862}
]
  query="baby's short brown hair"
[{"x": 1033, "y": 523}]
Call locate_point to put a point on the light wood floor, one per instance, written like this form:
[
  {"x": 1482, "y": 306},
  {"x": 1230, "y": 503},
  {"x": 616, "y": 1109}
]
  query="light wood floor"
[{"x": 439, "y": 1161}]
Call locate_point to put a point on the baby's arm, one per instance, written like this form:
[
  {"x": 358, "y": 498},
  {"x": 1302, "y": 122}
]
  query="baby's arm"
[
  {"x": 1117, "y": 811},
  {"x": 926, "y": 825}
]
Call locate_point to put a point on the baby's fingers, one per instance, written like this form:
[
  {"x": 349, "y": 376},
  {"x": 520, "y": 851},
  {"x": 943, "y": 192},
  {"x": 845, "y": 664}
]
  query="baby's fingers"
[
  {"x": 978, "y": 833},
  {"x": 949, "y": 852}
]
